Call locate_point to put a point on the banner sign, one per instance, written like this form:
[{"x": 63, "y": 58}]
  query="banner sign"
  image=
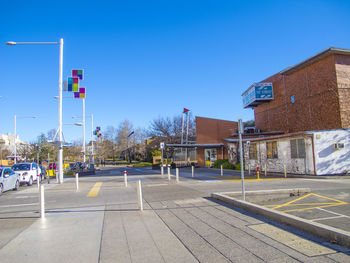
[{"x": 257, "y": 93}]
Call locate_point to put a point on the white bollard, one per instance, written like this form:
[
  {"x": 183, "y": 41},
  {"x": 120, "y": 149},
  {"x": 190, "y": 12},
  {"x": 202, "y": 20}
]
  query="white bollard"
[
  {"x": 168, "y": 173},
  {"x": 38, "y": 182},
  {"x": 265, "y": 170},
  {"x": 126, "y": 178},
  {"x": 77, "y": 181},
  {"x": 285, "y": 171},
  {"x": 139, "y": 195},
  {"x": 222, "y": 171},
  {"x": 42, "y": 201},
  {"x": 162, "y": 170},
  {"x": 249, "y": 169},
  {"x": 56, "y": 176},
  {"x": 177, "y": 175},
  {"x": 192, "y": 171}
]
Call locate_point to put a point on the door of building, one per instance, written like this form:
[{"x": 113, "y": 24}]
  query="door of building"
[{"x": 209, "y": 157}]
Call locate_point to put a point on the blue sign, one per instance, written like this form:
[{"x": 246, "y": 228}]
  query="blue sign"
[{"x": 257, "y": 94}]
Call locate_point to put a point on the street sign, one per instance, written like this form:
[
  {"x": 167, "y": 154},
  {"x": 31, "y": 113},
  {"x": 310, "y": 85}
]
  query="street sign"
[{"x": 162, "y": 145}]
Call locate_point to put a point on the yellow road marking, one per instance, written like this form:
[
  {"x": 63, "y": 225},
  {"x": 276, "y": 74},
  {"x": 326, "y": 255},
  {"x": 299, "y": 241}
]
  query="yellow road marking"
[
  {"x": 251, "y": 180},
  {"x": 319, "y": 205},
  {"x": 309, "y": 208},
  {"x": 329, "y": 198},
  {"x": 94, "y": 190},
  {"x": 302, "y": 197},
  {"x": 302, "y": 204}
]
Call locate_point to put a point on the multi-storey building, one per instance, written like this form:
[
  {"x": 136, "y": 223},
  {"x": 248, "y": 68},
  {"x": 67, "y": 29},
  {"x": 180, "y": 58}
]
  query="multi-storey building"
[{"x": 311, "y": 95}]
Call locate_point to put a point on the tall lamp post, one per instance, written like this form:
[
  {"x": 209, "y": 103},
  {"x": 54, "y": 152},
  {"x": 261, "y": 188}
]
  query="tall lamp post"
[
  {"x": 15, "y": 138},
  {"x": 92, "y": 132},
  {"x": 60, "y": 82}
]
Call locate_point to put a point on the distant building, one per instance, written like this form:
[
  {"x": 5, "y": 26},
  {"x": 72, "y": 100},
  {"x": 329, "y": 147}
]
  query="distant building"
[{"x": 7, "y": 142}]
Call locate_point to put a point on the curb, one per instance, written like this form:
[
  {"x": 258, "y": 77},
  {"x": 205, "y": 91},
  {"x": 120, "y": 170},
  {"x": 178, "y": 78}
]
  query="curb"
[{"x": 331, "y": 234}]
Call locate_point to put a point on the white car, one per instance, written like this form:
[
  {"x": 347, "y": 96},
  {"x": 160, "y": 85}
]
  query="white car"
[
  {"x": 28, "y": 172},
  {"x": 9, "y": 180}
]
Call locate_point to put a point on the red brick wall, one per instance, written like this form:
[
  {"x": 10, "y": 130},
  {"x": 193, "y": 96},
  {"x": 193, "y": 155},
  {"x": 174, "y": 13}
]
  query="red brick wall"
[
  {"x": 213, "y": 130},
  {"x": 200, "y": 157},
  {"x": 316, "y": 105},
  {"x": 270, "y": 116},
  {"x": 342, "y": 66}
]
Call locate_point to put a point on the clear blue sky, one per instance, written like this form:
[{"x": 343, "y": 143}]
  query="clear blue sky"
[{"x": 145, "y": 59}]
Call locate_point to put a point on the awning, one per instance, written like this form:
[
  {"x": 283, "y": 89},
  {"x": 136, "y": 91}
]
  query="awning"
[{"x": 205, "y": 145}]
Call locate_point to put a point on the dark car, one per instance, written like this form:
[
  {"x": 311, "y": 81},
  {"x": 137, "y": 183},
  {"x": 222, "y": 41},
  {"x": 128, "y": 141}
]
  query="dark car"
[
  {"x": 73, "y": 166},
  {"x": 80, "y": 165}
]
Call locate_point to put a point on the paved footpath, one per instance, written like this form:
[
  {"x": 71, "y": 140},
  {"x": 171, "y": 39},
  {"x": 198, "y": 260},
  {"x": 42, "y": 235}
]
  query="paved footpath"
[{"x": 101, "y": 223}]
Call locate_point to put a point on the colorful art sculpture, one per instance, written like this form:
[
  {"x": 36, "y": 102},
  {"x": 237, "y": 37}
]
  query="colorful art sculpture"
[
  {"x": 78, "y": 73},
  {"x": 97, "y": 132}
]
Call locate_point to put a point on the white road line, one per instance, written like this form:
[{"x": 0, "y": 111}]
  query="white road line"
[
  {"x": 150, "y": 185},
  {"x": 333, "y": 213},
  {"x": 19, "y": 205},
  {"x": 326, "y": 218}
]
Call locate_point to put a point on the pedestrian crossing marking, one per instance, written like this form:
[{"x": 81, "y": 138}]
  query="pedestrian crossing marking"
[{"x": 94, "y": 190}]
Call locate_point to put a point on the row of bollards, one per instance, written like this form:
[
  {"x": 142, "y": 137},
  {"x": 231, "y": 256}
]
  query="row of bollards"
[
  {"x": 139, "y": 190},
  {"x": 265, "y": 170},
  {"x": 176, "y": 173}
]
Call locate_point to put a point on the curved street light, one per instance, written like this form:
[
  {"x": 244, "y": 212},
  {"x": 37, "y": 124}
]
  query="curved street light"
[{"x": 60, "y": 82}]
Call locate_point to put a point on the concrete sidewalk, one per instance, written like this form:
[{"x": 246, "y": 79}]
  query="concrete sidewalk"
[{"x": 105, "y": 233}]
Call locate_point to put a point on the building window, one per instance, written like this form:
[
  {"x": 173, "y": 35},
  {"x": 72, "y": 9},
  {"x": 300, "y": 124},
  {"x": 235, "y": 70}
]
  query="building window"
[
  {"x": 297, "y": 148},
  {"x": 271, "y": 149},
  {"x": 292, "y": 99},
  {"x": 252, "y": 151}
]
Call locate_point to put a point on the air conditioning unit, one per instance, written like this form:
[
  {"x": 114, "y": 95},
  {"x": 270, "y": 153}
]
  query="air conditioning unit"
[{"x": 338, "y": 146}]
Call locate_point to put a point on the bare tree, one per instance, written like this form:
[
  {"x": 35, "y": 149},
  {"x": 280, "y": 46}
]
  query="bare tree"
[
  {"x": 165, "y": 129},
  {"x": 51, "y": 134},
  {"x": 123, "y": 138}
]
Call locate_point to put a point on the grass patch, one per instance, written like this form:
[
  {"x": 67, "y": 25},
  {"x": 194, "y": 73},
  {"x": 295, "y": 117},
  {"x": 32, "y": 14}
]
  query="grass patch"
[{"x": 142, "y": 164}]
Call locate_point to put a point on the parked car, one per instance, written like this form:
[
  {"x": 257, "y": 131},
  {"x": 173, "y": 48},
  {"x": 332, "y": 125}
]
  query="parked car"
[
  {"x": 28, "y": 172},
  {"x": 9, "y": 180}
]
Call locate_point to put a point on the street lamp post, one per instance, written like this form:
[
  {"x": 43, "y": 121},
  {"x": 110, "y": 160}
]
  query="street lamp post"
[
  {"x": 15, "y": 131},
  {"x": 60, "y": 82},
  {"x": 84, "y": 130},
  {"x": 92, "y": 132}
]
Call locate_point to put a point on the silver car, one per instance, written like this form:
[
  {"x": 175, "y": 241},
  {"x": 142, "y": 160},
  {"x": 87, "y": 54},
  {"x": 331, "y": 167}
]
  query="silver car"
[{"x": 9, "y": 180}]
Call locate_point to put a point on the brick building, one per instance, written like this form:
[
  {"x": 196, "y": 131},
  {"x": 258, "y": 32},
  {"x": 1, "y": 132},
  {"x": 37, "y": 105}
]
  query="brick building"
[
  {"x": 209, "y": 146},
  {"x": 310, "y": 103},
  {"x": 311, "y": 95},
  {"x": 210, "y": 134}
]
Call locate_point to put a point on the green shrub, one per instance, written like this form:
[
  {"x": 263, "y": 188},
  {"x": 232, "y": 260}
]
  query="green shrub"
[
  {"x": 219, "y": 162},
  {"x": 238, "y": 166},
  {"x": 225, "y": 164},
  {"x": 228, "y": 165}
]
